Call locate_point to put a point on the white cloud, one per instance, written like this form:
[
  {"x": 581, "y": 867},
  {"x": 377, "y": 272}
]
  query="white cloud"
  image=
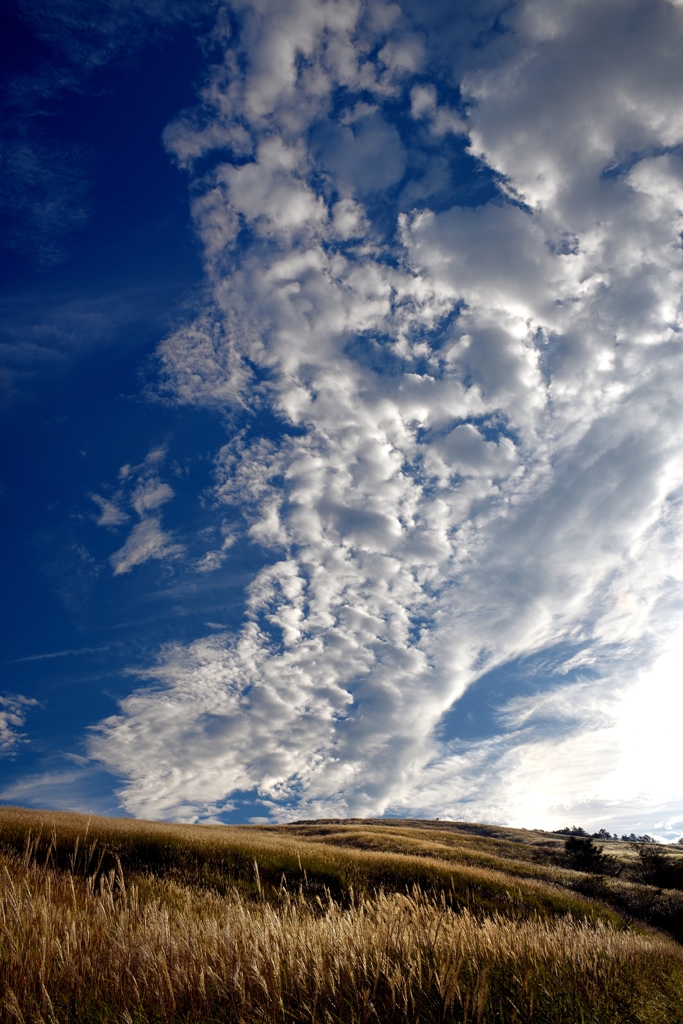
[
  {"x": 202, "y": 363},
  {"x": 584, "y": 86},
  {"x": 604, "y": 754},
  {"x": 149, "y": 494},
  {"x": 146, "y": 540},
  {"x": 143, "y": 491},
  {"x": 478, "y": 459},
  {"x": 349, "y": 219},
  {"x": 442, "y": 120},
  {"x": 270, "y": 190},
  {"x": 12, "y": 717},
  {"x": 214, "y": 559},
  {"x": 110, "y": 513}
]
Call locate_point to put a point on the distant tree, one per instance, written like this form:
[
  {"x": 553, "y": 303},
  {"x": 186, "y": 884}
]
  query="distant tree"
[
  {"x": 633, "y": 838},
  {"x": 570, "y": 830},
  {"x": 604, "y": 834},
  {"x": 584, "y": 855}
]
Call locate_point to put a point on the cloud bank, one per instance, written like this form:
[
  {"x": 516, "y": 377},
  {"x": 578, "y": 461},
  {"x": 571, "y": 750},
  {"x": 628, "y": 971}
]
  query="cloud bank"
[{"x": 476, "y": 459}]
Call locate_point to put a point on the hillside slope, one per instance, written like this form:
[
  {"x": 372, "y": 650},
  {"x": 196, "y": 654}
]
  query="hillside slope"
[{"x": 328, "y": 920}]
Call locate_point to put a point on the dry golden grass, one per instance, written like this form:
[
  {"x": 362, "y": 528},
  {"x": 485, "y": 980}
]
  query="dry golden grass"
[
  {"x": 107, "y": 920},
  {"x": 222, "y": 857},
  {"x": 82, "y": 952}
]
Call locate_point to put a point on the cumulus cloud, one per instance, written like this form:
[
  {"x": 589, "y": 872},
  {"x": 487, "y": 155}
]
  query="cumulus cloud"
[
  {"x": 476, "y": 461},
  {"x": 441, "y": 120}
]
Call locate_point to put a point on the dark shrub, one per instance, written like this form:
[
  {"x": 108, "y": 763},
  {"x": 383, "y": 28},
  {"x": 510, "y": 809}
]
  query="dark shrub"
[
  {"x": 584, "y": 855},
  {"x": 658, "y": 869}
]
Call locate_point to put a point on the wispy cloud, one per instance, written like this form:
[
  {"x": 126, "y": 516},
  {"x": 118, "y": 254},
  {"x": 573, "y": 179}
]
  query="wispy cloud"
[
  {"x": 72, "y": 788},
  {"x": 90, "y": 35},
  {"x": 110, "y": 513},
  {"x": 44, "y": 184},
  {"x": 142, "y": 490},
  {"x": 215, "y": 558},
  {"x": 61, "y": 654},
  {"x": 43, "y": 196},
  {"x": 478, "y": 453},
  {"x": 146, "y": 540}
]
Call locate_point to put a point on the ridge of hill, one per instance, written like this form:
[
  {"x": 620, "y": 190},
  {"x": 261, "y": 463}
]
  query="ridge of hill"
[{"x": 519, "y": 835}]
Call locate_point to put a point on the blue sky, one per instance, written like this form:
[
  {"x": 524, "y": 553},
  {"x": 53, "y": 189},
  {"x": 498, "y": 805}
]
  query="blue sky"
[{"x": 340, "y": 383}]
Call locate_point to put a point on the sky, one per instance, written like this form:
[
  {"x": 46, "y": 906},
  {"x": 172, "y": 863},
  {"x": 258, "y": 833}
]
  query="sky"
[{"x": 341, "y": 392}]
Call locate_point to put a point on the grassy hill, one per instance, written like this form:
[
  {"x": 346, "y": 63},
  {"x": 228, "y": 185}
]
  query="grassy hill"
[{"x": 105, "y": 919}]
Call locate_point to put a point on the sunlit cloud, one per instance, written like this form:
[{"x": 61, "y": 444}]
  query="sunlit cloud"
[{"x": 475, "y": 456}]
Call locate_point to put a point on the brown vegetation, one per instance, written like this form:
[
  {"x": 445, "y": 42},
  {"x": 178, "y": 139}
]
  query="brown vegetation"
[{"x": 115, "y": 920}]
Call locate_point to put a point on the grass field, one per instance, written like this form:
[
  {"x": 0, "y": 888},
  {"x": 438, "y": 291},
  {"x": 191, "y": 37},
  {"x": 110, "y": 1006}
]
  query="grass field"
[{"x": 128, "y": 921}]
